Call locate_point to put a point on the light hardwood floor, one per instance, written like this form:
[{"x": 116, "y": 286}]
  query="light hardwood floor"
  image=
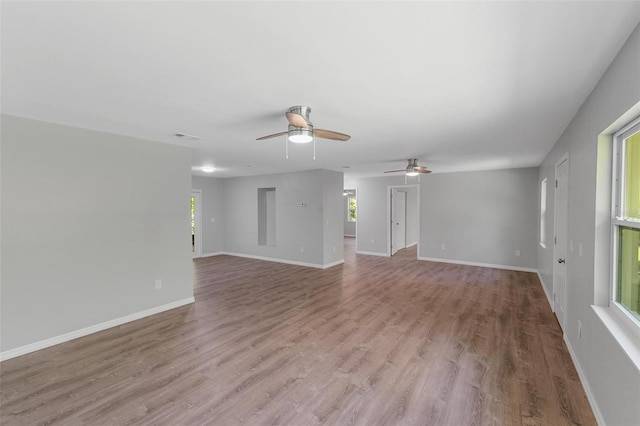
[{"x": 375, "y": 341}]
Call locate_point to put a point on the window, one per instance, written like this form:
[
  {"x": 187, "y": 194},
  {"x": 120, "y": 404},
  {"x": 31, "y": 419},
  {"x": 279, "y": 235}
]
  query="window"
[
  {"x": 626, "y": 222},
  {"x": 193, "y": 224},
  {"x": 543, "y": 212},
  {"x": 352, "y": 203}
]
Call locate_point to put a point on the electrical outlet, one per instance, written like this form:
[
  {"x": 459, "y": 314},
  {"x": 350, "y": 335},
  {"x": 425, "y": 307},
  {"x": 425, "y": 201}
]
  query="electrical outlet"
[
  {"x": 301, "y": 249},
  {"x": 443, "y": 246},
  {"x": 334, "y": 249},
  {"x": 517, "y": 252},
  {"x": 372, "y": 241},
  {"x": 158, "y": 284}
]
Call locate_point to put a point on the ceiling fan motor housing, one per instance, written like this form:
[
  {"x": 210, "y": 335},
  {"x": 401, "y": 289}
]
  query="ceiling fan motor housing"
[{"x": 302, "y": 110}]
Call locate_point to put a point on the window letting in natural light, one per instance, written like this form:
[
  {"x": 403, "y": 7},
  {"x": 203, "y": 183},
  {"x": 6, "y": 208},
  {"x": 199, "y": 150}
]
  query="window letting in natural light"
[
  {"x": 352, "y": 203},
  {"x": 626, "y": 222},
  {"x": 543, "y": 212},
  {"x": 193, "y": 224}
]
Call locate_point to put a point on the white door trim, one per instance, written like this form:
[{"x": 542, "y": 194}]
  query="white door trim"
[
  {"x": 389, "y": 189},
  {"x": 398, "y": 220},
  {"x": 556, "y": 255}
]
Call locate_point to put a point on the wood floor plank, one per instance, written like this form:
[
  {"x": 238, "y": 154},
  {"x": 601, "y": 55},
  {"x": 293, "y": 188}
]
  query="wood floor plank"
[{"x": 375, "y": 341}]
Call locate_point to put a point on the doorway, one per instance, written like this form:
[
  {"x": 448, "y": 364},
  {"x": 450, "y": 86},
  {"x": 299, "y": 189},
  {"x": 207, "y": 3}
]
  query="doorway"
[
  {"x": 403, "y": 218},
  {"x": 398, "y": 220},
  {"x": 350, "y": 196},
  {"x": 196, "y": 223},
  {"x": 560, "y": 239}
]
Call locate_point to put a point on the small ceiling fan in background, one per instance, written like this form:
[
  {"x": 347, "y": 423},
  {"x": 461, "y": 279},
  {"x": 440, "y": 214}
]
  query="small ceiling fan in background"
[
  {"x": 301, "y": 129},
  {"x": 413, "y": 169}
]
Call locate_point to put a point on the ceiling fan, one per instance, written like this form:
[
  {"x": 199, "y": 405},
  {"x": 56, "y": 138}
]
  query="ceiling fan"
[
  {"x": 412, "y": 168},
  {"x": 301, "y": 130}
]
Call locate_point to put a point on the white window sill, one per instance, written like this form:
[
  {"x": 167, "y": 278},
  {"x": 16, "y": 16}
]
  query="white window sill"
[{"x": 627, "y": 338}]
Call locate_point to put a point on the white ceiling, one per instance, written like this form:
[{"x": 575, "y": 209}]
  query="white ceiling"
[{"x": 459, "y": 85}]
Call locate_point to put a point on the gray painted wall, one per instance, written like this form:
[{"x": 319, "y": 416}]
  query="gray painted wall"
[
  {"x": 89, "y": 221},
  {"x": 503, "y": 217},
  {"x": 297, "y": 226},
  {"x": 372, "y": 234},
  {"x": 481, "y": 217},
  {"x": 332, "y": 216},
  {"x": 612, "y": 378},
  {"x": 212, "y": 208}
]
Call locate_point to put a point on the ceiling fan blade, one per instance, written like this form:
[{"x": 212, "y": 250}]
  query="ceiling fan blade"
[
  {"x": 395, "y": 171},
  {"x": 421, "y": 169},
  {"x": 296, "y": 120},
  {"x": 275, "y": 135},
  {"x": 330, "y": 134}
]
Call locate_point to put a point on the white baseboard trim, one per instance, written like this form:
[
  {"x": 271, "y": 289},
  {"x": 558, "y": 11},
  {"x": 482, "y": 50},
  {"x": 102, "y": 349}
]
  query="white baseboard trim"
[
  {"x": 217, "y": 253},
  {"x": 289, "y": 262},
  {"x": 412, "y": 244},
  {"x": 52, "y": 341},
  {"x": 372, "y": 253},
  {"x": 332, "y": 264},
  {"x": 484, "y": 265},
  {"x": 546, "y": 292},
  {"x": 585, "y": 383}
]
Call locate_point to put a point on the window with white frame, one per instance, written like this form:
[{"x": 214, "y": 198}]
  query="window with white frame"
[{"x": 625, "y": 222}]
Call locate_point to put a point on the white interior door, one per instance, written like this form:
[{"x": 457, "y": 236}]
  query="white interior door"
[
  {"x": 560, "y": 247},
  {"x": 398, "y": 221},
  {"x": 196, "y": 223}
]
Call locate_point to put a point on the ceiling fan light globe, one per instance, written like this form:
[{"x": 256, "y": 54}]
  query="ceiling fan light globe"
[
  {"x": 300, "y": 138},
  {"x": 412, "y": 173}
]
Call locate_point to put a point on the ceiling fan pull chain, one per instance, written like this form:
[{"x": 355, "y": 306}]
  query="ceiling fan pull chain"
[{"x": 286, "y": 148}]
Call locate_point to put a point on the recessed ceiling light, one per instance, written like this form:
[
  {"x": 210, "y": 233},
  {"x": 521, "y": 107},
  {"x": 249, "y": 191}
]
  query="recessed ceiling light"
[{"x": 208, "y": 169}]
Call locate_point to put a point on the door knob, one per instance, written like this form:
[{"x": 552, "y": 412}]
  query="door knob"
[{"x": 561, "y": 261}]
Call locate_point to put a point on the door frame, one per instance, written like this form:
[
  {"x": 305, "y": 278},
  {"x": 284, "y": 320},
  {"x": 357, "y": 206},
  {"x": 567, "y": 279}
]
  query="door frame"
[
  {"x": 561, "y": 321},
  {"x": 197, "y": 195},
  {"x": 389, "y": 190},
  {"x": 355, "y": 234},
  {"x": 395, "y": 218}
]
